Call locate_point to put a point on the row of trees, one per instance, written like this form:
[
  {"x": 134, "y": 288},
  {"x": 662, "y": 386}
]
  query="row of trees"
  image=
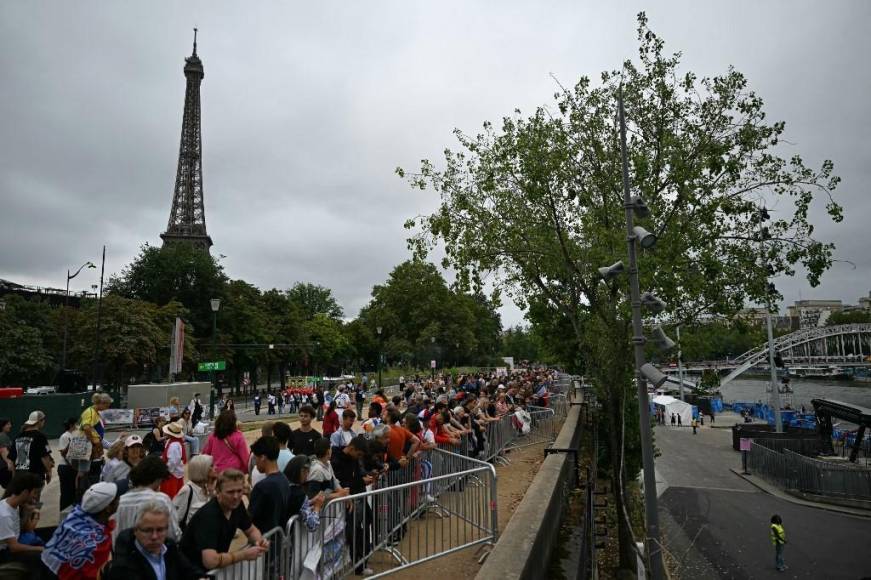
[
  {"x": 537, "y": 205},
  {"x": 300, "y": 330}
]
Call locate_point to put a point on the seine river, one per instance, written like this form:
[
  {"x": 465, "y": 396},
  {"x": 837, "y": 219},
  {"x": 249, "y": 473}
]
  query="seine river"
[{"x": 753, "y": 389}]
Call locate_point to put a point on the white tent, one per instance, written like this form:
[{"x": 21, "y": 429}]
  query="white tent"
[{"x": 676, "y": 406}]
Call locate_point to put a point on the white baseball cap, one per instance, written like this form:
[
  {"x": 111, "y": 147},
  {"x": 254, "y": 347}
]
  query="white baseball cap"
[{"x": 98, "y": 496}]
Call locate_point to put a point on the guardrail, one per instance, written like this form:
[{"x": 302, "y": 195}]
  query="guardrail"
[{"x": 796, "y": 472}]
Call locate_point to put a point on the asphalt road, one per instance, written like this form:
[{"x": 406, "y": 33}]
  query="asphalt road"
[{"x": 716, "y": 523}]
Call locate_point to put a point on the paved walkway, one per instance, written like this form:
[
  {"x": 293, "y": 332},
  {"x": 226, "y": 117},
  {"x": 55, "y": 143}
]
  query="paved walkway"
[{"x": 716, "y": 524}]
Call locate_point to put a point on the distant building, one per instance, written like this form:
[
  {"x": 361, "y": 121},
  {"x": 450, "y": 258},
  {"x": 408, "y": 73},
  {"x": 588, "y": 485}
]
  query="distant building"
[
  {"x": 54, "y": 296},
  {"x": 813, "y": 313},
  {"x": 865, "y": 302},
  {"x": 757, "y": 315}
]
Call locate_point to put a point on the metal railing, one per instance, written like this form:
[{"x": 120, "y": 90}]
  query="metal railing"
[
  {"x": 409, "y": 520},
  {"x": 796, "y": 472},
  {"x": 441, "y": 502}
]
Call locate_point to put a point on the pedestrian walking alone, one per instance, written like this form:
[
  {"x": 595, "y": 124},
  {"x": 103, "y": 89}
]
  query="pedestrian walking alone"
[
  {"x": 679, "y": 421},
  {"x": 673, "y": 419},
  {"x": 778, "y": 538},
  {"x": 695, "y": 425}
]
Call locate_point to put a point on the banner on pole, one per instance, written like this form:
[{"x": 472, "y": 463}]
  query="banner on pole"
[{"x": 176, "y": 355}]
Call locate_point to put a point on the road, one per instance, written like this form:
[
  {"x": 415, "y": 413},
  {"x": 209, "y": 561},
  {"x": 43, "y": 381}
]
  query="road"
[{"x": 716, "y": 523}]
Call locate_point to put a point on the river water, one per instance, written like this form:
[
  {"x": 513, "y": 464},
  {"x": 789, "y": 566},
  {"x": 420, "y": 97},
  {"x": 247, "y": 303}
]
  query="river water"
[{"x": 754, "y": 389}]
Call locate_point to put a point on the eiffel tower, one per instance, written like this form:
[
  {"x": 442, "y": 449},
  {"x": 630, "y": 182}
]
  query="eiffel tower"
[{"x": 187, "y": 219}]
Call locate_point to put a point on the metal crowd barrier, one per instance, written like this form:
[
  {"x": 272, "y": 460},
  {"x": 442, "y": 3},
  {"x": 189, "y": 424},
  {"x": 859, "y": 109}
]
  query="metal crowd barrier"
[
  {"x": 405, "y": 520},
  {"x": 544, "y": 428},
  {"x": 796, "y": 472},
  {"x": 272, "y": 565}
]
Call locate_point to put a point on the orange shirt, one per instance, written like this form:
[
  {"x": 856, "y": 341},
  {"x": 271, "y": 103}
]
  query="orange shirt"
[{"x": 396, "y": 444}]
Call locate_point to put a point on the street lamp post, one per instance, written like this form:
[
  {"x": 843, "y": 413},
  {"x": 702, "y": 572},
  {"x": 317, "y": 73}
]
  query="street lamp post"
[
  {"x": 378, "y": 329},
  {"x": 63, "y": 363},
  {"x": 432, "y": 366},
  {"x": 654, "y": 547},
  {"x": 215, "y": 305}
]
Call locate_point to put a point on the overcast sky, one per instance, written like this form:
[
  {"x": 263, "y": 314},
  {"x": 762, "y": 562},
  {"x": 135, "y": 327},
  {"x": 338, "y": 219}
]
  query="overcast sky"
[{"x": 307, "y": 108}]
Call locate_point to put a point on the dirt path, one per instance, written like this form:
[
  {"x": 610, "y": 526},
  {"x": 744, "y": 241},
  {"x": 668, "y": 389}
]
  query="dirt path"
[{"x": 511, "y": 484}]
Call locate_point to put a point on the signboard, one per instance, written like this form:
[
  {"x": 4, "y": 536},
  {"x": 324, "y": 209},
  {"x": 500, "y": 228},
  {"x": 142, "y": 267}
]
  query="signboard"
[
  {"x": 117, "y": 416},
  {"x": 218, "y": 365},
  {"x": 744, "y": 444},
  {"x": 432, "y": 364},
  {"x": 145, "y": 416}
]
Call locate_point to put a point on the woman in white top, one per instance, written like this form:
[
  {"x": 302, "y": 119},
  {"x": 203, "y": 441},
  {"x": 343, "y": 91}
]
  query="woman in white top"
[
  {"x": 195, "y": 493},
  {"x": 65, "y": 472}
]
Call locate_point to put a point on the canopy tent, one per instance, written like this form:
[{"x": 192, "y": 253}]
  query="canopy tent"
[{"x": 676, "y": 406}]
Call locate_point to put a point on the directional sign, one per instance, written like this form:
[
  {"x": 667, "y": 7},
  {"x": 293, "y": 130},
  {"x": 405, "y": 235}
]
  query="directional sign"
[{"x": 218, "y": 365}]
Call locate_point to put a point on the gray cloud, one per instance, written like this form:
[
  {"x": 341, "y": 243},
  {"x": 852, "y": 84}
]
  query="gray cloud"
[{"x": 307, "y": 110}]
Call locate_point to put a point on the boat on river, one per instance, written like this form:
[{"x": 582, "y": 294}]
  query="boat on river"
[{"x": 831, "y": 372}]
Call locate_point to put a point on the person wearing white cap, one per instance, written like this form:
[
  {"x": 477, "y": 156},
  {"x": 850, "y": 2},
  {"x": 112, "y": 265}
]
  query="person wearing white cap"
[
  {"x": 32, "y": 452},
  {"x": 82, "y": 544},
  {"x": 123, "y": 455}
]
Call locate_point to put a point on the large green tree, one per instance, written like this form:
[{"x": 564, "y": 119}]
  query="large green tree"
[
  {"x": 538, "y": 204},
  {"x": 423, "y": 319},
  {"x": 27, "y": 341},
  {"x": 176, "y": 272},
  {"x": 313, "y": 299}
]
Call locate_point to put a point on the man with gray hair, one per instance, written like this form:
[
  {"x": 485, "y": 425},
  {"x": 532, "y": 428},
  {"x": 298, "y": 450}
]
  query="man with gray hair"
[{"x": 146, "y": 552}]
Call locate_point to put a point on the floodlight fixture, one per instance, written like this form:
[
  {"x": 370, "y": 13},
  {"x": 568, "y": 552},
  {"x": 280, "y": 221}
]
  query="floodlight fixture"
[
  {"x": 653, "y": 374},
  {"x": 612, "y": 271},
  {"x": 639, "y": 207},
  {"x": 645, "y": 239},
  {"x": 652, "y": 302},
  {"x": 662, "y": 340}
]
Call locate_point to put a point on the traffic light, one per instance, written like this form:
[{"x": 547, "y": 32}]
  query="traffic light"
[{"x": 778, "y": 361}]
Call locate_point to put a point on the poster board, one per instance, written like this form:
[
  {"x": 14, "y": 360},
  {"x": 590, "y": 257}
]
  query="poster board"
[{"x": 145, "y": 416}]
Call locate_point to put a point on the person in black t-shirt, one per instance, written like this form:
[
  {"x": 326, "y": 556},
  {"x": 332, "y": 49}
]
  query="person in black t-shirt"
[
  {"x": 210, "y": 532},
  {"x": 349, "y": 472},
  {"x": 31, "y": 448},
  {"x": 271, "y": 496},
  {"x": 303, "y": 439}
]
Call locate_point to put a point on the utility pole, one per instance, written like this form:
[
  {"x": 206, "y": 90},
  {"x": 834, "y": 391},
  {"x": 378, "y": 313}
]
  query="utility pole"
[
  {"x": 652, "y": 541},
  {"x": 679, "y": 363},
  {"x": 775, "y": 393}
]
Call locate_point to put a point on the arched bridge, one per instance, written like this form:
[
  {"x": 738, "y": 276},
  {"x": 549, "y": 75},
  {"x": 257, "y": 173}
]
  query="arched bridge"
[{"x": 839, "y": 344}]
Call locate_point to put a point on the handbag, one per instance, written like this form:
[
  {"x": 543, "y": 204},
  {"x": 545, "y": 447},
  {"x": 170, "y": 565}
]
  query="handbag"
[{"x": 80, "y": 447}]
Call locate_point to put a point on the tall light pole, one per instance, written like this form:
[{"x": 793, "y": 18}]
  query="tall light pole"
[
  {"x": 634, "y": 237},
  {"x": 679, "y": 362},
  {"x": 63, "y": 364},
  {"x": 432, "y": 366},
  {"x": 215, "y": 305},
  {"x": 378, "y": 329},
  {"x": 98, "y": 343}
]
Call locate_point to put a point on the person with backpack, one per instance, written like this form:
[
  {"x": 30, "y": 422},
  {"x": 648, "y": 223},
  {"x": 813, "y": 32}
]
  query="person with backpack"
[
  {"x": 195, "y": 493},
  {"x": 153, "y": 442}
]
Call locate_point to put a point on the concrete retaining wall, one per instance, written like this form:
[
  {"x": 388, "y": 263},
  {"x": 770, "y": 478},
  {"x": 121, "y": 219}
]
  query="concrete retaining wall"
[{"x": 524, "y": 548}]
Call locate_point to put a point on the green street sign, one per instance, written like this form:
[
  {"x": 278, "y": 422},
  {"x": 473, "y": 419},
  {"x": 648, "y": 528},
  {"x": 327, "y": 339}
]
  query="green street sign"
[{"x": 218, "y": 365}]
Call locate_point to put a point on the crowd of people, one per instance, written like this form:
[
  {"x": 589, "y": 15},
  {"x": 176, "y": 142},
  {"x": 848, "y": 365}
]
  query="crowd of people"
[{"x": 156, "y": 506}]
